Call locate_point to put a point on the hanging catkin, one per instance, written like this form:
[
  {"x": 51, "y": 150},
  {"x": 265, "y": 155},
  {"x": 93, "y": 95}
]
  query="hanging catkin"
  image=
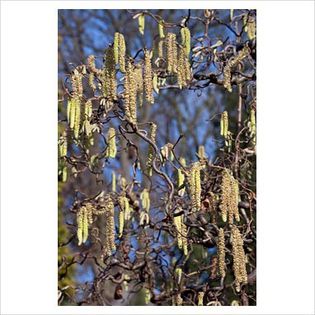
[
  {"x": 141, "y": 23},
  {"x": 181, "y": 233},
  {"x": 194, "y": 183},
  {"x": 130, "y": 94},
  {"x": 109, "y": 245},
  {"x": 120, "y": 51},
  {"x": 139, "y": 83},
  {"x": 84, "y": 219},
  {"x": 151, "y": 152},
  {"x": 183, "y": 69},
  {"x": 229, "y": 198},
  {"x": 171, "y": 52},
  {"x": 239, "y": 258},
  {"x": 148, "y": 76},
  {"x": 63, "y": 145},
  {"x": 185, "y": 33},
  {"x": 224, "y": 124},
  {"x": 221, "y": 252},
  {"x": 145, "y": 199},
  {"x": 109, "y": 75},
  {"x": 161, "y": 29},
  {"x": 111, "y": 150}
]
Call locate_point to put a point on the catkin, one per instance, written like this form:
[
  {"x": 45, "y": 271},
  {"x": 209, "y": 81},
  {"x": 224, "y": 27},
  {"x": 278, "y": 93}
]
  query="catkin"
[
  {"x": 200, "y": 298},
  {"x": 63, "y": 145},
  {"x": 171, "y": 52},
  {"x": 141, "y": 23},
  {"x": 239, "y": 258},
  {"x": 139, "y": 83},
  {"x": 109, "y": 245},
  {"x": 181, "y": 178},
  {"x": 224, "y": 124},
  {"x": 221, "y": 252},
  {"x": 77, "y": 119},
  {"x": 76, "y": 82},
  {"x": 185, "y": 33},
  {"x": 194, "y": 183},
  {"x": 130, "y": 93},
  {"x": 250, "y": 28},
  {"x": 111, "y": 150},
  {"x": 113, "y": 181},
  {"x": 183, "y": 69},
  {"x": 147, "y": 74},
  {"x": 178, "y": 274},
  {"x": 145, "y": 199},
  {"x": 84, "y": 219},
  {"x": 201, "y": 152},
  {"x": 161, "y": 29},
  {"x": 229, "y": 198},
  {"x": 109, "y": 75},
  {"x": 147, "y": 296},
  {"x": 160, "y": 49},
  {"x": 91, "y": 65},
  {"x": 153, "y": 128},
  {"x": 181, "y": 233},
  {"x": 120, "y": 51},
  {"x": 234, "y": 61}
]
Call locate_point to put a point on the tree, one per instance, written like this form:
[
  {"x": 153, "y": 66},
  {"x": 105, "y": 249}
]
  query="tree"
[{"x": 157, "y": 157}]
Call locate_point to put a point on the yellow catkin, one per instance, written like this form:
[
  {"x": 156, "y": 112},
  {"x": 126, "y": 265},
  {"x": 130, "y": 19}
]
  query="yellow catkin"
[
  {"x": 111, "y": 150},
  {"x": 88, "y": 109},
  {"x": 139, "y": 83},
  {"x": 251, "y": 28},
  {"x": 109, "y": 75},
  {"x": 116, "y": 47},
  {"x": 181, "y": 233},
  {"x": 185, "y": 33},
  {"x": 221, "y": 252},
  {"x": 76, "y": 82},
  {"x": 252, "y": 125},
  {"x": 153, "y": 128},
  {"x": 64, "y": 174},
  {"x": 145, "y": 200},
  {"x": 120, "y": 51},
  {"x": 178, "y": 274},
  {"x": 161, "y": 49},
  {"x": 147, "y": 77},
  {"x": 130, "y": 94},
  {"x": 84, "y": 219},
  {"x": 113, "y": 181},
  {"x": 194, "y": 182},
  {"x": 224, "y": 124},
  {"x": 109, "y": 245},
  {"x": 181, "y": 178},
  {"x": 91, "y": 65},
  {"x": 147, "y": 296},
  {"x": 202, "y": 153},
  {"x": 141, "y": 23},
  {"x": 234, "y": 61},
  {"x": 63, "y": 145},
  {"x": 239, "y": 258},
  {"x": 171, "y": 52},
  {"x": 183, "y": 69},
  {"x": 161, "y": 29},
  {"x": 121, "y": 222},
  {"x": 229, "y": 198},
  {"x": 200, "y": 298},
  {"x": 77, "y": 118}
]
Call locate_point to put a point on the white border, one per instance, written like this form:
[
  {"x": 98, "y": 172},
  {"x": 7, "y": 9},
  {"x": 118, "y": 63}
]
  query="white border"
[{"x": 285, "y": 155}]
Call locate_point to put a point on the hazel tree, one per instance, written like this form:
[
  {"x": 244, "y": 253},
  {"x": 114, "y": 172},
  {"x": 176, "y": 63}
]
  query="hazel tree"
[{"x": 154, "y": 220}]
